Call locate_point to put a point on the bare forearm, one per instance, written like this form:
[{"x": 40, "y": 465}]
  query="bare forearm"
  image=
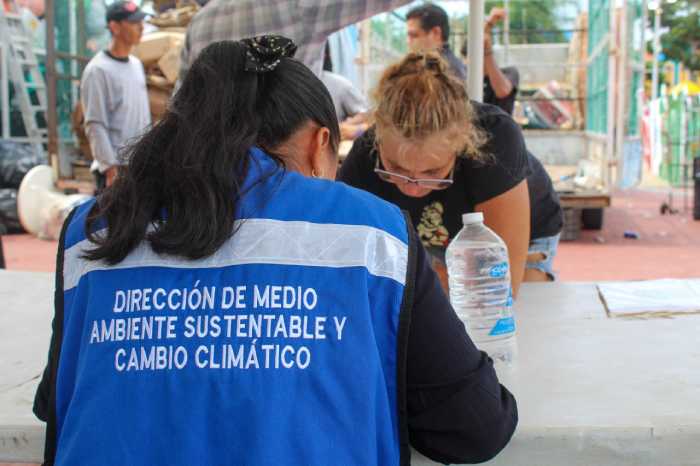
[
  {"x": 509, "y": 216},
  {"x": 101, "y": 146},
  {"x": 500, "y": 83},
  {"x": 517, "y": 256},
  {"x": 502, "y": 86},
  {"x": 350, "y": 131},
  {"x": 357, "y": 119}
]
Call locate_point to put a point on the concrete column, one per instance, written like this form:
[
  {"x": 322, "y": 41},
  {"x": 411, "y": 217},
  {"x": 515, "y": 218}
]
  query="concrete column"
[{"x": 475, "y": 79}]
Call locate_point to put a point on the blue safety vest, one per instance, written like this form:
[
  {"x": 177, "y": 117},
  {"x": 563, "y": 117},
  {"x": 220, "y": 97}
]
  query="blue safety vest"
[{"x": 286, "y": 347}]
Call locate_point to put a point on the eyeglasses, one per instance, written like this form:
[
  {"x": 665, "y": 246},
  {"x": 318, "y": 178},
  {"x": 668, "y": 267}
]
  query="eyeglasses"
[{"x": 427, "y": 183}]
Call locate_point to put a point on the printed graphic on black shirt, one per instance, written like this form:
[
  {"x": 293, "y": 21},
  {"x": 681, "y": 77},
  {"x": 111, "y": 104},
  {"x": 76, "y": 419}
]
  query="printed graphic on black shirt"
[{"x": 431, "y": 229}]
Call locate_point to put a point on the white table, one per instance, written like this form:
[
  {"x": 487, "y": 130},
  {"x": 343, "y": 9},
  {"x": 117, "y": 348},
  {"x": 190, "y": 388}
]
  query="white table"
[
  {"x": 598, "y": 391},
  {"x": 591, "y": 390},
  {"x": 26, "y": 310}
]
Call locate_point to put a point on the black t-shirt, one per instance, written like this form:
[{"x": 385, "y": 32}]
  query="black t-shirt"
[
  {"x": 546, "y": 216},
  {"x": 438, "y": 216}
]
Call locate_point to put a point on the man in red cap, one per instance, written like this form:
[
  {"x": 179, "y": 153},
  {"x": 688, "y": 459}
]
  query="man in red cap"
[{"x": 113, "y": 93}]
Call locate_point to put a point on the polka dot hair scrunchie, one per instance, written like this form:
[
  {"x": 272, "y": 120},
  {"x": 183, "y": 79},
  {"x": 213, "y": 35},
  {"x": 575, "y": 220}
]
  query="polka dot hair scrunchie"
[{"x": 265, "y": 52}]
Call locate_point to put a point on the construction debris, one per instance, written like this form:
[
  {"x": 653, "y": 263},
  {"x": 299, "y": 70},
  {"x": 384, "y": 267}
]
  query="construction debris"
[
  {"x": 177, "y": 17},
  {"x": 552, "y": 106},
  {"x": 153, "y": 46},
  {"x": 169, "y": 64},
  {"x": 160, "y": 54}
]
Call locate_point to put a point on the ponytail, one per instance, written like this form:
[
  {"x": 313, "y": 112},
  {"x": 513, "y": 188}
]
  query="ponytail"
[{"x": 185, "y": 175}]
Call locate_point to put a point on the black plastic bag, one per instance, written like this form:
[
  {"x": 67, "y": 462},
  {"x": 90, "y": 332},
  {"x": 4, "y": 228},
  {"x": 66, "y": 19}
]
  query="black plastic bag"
[
  {"x": 16, "y": 159},
  {"x": 9, "y": 218}
]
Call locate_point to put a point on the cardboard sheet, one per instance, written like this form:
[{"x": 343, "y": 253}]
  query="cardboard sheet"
[{"x": 651, "y": 298}]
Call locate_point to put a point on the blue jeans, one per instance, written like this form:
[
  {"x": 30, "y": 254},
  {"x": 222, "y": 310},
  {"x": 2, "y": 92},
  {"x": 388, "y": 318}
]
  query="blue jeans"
[{"x": 546, "y": 246}]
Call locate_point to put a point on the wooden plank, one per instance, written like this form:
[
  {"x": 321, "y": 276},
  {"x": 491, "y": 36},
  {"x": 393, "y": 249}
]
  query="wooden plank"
[{"x": 585, "y": 200}]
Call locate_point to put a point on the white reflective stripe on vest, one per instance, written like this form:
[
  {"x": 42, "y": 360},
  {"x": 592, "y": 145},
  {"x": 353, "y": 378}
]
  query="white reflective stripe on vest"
[{"x": 264, "y": 241}]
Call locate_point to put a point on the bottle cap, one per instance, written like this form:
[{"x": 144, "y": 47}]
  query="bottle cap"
[{"x": 474, "y": 217}]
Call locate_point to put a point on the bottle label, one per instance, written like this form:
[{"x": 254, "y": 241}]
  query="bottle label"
[
  {"x": 503, "y": 326},
  {"x": 499, "y": 270}
]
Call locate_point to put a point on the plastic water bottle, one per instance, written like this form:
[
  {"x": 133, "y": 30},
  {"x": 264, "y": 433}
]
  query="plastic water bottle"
[{"x": 480, "y": 291}]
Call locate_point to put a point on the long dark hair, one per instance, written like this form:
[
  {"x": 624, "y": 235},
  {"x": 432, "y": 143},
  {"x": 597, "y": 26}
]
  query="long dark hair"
[{"x": 186, "y": 173}]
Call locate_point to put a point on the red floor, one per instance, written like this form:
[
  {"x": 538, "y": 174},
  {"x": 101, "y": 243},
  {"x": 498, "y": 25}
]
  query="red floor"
[
  {"x": 25, "y": 252},
  {"x": 668, "y": 247}
]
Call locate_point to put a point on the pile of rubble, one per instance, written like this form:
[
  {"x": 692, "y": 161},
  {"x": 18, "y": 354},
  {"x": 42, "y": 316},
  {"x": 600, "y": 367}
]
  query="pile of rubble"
[{"x": 160, "y": 53}]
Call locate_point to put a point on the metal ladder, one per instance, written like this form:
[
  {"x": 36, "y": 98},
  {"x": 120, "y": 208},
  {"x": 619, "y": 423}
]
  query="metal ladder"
[{"x": 24, "y": 74}]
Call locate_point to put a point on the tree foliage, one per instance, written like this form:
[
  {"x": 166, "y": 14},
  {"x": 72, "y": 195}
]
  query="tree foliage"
[
  {"x": 682, "y": 41},
  {"x": 531, "y": 22}
]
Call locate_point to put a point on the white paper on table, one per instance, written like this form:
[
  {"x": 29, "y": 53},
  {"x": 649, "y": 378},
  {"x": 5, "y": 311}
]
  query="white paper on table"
[{"x": 651, "y": 296}]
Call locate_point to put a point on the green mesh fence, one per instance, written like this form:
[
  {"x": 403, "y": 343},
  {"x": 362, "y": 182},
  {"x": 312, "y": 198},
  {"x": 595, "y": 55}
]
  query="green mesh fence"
[
  {"x": 75, "y": 35},
  {"x": 680, "y": 138},
  {"x": 597, "y": 72},
  {"x": 598, "y": 69},
  {"x": 635, "y": 56}
]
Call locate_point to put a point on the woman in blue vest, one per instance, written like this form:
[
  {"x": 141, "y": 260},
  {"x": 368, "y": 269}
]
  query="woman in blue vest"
[{"x": 224, "y": 302}]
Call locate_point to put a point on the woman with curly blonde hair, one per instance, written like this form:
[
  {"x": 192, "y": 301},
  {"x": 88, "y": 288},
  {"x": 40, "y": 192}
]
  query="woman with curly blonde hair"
[{"x": 437, "y": 155}]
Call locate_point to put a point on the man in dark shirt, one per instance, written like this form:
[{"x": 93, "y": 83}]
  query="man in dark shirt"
[
  {"x": 500, "y": 84},
  {"x": 428, "y": 28}
]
